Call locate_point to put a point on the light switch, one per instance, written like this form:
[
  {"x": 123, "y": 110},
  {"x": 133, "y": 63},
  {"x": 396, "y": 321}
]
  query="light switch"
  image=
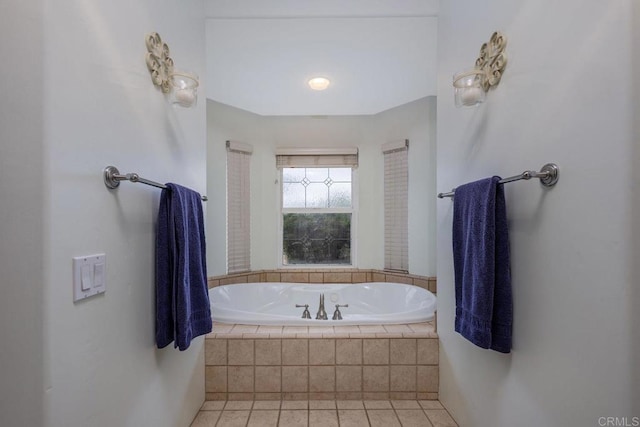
[
  {"x": 98, "y": 276},
  {"x": 86, "y": 277},
  {"x": 89, "y": 276}
]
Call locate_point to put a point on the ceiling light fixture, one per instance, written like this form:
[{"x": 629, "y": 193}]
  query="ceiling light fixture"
[{"x": 319, "y": 83}]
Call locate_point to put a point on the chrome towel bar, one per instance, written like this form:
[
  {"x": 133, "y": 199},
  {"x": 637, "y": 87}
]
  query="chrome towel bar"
[
  {"x": 548, "y": 175},
  {"x": 112, "y": 178}
]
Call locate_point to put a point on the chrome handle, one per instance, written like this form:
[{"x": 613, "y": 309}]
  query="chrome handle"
[
  {"x": 336, "y": 314},
  {"x": 305, "y": 313}
]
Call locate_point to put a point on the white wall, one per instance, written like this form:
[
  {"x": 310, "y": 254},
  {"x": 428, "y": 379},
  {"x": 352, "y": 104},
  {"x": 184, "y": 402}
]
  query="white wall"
[
  {"x": 570, "y": 96},
  {"x": 415, "y": 121},
  {"x": 89, "y": 102},
  {"x": 21, "y": 222}
]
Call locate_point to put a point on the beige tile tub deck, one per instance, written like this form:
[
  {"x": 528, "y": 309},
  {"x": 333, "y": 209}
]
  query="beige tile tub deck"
[{"x": 412, "y": 330}]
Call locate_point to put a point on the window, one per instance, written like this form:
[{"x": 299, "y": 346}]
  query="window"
[
  {"x": 396, "y": 195},
  {"x": 238, "y": 207},
  {"x": 317, "y": 209}
]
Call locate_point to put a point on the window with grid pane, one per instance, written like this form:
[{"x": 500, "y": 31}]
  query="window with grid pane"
[
  {"x": 238, "y": 207},
  {"x": 396, "y": 195},
  {"x": 317, "y": 215}
]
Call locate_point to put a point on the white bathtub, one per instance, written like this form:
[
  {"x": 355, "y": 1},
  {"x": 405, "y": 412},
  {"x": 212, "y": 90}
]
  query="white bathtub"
[{"x": 275, "y": 303}]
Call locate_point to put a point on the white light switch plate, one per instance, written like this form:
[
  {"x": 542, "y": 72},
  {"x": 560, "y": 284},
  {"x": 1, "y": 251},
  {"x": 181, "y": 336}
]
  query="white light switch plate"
[{"x": 89, "y": 276}]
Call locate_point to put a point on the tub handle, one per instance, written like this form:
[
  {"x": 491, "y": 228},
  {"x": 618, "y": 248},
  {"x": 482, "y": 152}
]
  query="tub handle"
[
  {"x": 305, "y": 313},
  {"x": 336, "y": 314}
]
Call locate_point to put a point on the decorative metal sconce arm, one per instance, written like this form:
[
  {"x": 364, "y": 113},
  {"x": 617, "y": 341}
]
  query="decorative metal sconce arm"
[
  {"x": 159, "y": 62},
  {"x": 492, "y": 60}
]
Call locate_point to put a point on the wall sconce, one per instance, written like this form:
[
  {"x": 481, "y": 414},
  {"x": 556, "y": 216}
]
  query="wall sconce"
[
  {"x": 181, "y": 86},
  {"x": 471, "y": 86},
  {"x": 184, "y": 89}
]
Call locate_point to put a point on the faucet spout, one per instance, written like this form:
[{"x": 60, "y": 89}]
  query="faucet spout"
[{"x": 322, "y": 314}]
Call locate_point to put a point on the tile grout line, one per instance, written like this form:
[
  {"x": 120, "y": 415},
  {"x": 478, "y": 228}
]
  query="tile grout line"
[
  {"x": 393, "y": 407},
  {"x": 308, "y": 373},
  {"x": 226, "y": 380},
  {"x": 281, "y": 378},
  {"x": 366, "y": 413},
  {"x": 389, "y": 370},
  {"x": 335, "y": 371},
  {"x": 362, "y": 371}
]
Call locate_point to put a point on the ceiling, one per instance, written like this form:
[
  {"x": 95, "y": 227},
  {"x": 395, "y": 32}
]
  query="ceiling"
[{"x": 378, "y": 54}]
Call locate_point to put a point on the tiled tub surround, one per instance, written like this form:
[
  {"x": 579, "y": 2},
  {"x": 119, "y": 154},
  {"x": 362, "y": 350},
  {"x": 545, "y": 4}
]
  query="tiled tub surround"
[
  {"x": 325, "y": 276},
  {"x": 322, "y": 363}
]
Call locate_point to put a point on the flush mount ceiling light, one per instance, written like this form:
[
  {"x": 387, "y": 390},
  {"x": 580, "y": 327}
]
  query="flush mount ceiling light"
[{"x": 319, "y": 83}]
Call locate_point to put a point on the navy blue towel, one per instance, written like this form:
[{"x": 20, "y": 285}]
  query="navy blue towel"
[
  {"x": 182, "y": 299},
  {"x": 484, "y": 305}
]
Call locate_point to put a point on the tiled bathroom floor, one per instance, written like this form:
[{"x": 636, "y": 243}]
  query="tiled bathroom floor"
[{"x": 325, "y": 413}]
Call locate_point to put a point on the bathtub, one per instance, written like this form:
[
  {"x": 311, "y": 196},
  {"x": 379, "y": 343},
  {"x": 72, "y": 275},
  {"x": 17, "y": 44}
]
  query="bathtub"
[{"x": 376, "y": 303}]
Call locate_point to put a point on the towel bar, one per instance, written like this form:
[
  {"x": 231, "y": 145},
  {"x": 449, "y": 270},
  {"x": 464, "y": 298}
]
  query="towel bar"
[
  {"x": 112, "y": 178},
  {"x": 548, "y": 175}
]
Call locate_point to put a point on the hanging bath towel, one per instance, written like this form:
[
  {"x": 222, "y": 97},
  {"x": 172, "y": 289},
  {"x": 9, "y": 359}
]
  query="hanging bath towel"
[
  {"x": 182, "y": 300},
  {"x": 484, "y": 306}
]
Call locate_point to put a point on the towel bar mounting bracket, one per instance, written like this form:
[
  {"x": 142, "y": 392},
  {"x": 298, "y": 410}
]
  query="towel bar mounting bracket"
[
  {"x": 112, "y": 178},
  {"x": 111, "y": 174},
  {"x": 552, "y": 171}
]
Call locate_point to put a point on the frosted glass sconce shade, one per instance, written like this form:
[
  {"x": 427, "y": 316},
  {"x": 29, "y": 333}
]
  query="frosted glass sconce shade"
[
  {"x": 470, "y": 87},
  {"x": 184, "y": 89},
  {"x": 467, "y": 88}
]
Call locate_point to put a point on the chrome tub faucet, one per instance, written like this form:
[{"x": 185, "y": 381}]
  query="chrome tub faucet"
[{"x": 321, "y": 315}]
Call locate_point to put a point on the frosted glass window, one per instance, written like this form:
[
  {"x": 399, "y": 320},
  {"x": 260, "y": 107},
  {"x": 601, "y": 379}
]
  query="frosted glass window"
[
  {"x": 340, "y": 196},
  {"x": 294, "y": 195},
  {"x": 340, "y": 174},
  {"x": 317, "y": 196},
  {"x": 293, "y": 174},
  {"x": 317, "y": 174},
  {"x": 316, "y": 187},
  {"x": 317, "y": 215}
]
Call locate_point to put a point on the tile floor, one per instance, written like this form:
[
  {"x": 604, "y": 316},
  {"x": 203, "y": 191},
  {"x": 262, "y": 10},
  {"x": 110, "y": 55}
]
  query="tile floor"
[{"x": 325, "y": 413}]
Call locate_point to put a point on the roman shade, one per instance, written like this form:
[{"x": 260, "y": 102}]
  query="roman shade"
[{"x": 396, "y": 197}]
